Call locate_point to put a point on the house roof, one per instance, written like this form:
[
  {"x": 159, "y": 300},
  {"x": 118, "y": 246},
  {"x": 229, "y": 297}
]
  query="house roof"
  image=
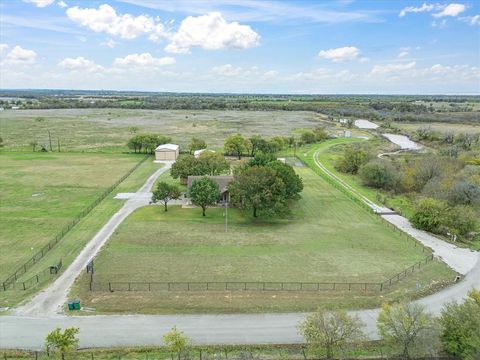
[
  {"x": 167, "y": 147},
  {"x": 198, "y": 152},
  {"x": 221, "y": 181}
]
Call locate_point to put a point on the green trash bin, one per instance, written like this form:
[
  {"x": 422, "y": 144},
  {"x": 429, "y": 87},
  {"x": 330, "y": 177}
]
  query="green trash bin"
[
  {"x": 71, "y": 306},
  {"x": 76, "y": 304}
]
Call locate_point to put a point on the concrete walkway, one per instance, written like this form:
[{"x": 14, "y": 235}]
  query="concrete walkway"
[{"x": 51, "y": 300}]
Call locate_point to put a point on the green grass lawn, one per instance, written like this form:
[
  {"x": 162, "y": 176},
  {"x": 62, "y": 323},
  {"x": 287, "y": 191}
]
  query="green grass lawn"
[
  {"x": 69, "y": 247},
  {"x": 328, "y": 238},
  {"x": 42, "y": 192}
]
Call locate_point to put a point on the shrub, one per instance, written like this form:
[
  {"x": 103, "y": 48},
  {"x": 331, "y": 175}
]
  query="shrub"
[
  {"x": 428, "y": 215},
  {"x": 380, "y": 174},
  {"x": 460, "y": 220},
  {"x": 351, "y": 161}
]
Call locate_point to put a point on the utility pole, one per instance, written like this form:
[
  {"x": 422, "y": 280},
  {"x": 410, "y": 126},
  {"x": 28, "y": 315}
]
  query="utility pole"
[
  {"x": 50, "y": 139},
  {"x": 226, "y": 215}
]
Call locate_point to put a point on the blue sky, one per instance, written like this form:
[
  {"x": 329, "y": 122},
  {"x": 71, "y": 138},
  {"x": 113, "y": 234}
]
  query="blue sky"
[{"x": 398, "y": 47}]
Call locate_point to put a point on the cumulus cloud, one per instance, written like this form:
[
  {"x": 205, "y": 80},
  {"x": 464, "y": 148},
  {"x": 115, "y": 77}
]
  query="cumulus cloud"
[
  {"x": 20, "y": 56},
  {"x": 3, "y": 47},
  {"x": 412, "y": 9},
  {"x": 346, "y": 53},
  {"x": 80, "y": 64},
  {"x": 211, "y": 32},
  {"x": 240, "y": 73},
  {"x": 443, "y": 72},
  {"x": 392, "y": 68},
  {"x": 450, "y": 10},
  {"x": 226, "y": 70},
  {"x": 143, "y": 60},
  {"x": 109, "y": 43},
  {"x": 40, "y": 3},
  {"x": 106, "y": 20},
  {"x": 471, "y": 20},
  {"x": 403, "y": 53},
  {"x": 62, "y": 4}
]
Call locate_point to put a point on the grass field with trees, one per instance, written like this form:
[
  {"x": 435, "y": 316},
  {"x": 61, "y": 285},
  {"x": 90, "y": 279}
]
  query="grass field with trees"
[{"x": 327, "y": 238}]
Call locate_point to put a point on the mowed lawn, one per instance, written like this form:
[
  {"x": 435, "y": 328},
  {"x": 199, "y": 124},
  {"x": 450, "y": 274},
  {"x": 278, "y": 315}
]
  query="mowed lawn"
[
  {"x": 327, "y": 238},
  {"x": 42, "y": 192}
]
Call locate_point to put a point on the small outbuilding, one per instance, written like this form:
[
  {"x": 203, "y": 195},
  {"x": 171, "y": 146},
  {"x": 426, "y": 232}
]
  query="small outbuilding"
[
  {"x": 197, "y": 153},
  {"x": 167, "y": 152}
]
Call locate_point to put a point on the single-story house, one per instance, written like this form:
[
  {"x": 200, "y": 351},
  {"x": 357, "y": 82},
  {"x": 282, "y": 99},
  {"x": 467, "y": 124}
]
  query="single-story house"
[
  {"x": 197, "y": 153},
  {"x": 167, "y": 152},
  {"x": 221, "y": 181}
]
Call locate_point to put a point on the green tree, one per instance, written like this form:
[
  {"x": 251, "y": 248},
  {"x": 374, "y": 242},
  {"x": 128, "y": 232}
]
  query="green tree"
[
  {"x": 1, "y": 142},
  {"x": 213, "y": 163},
  {"x": 185, "y": 166},
  {"x": 351, "y": 161},
  {"x": 259, "y": 188},
  {"x": 236, "y": 145},
  {"x": 407, "y": 328},
  {"x": 331, "y": 331},
  {"x": 460, "y": 327},
  {"x": 460, "y": 219},
  {"x": 320, "y": 134},
  {"x": 62, "y": 342},
  {"x": 380, "y": 174},
  {"x": 308, "y": 137},
  {"x": 257, "y": 143},
  {"x": 196, "y": 144},
  {"x": 133, "y": 129},
  {"x": 166, "y": 192},
  {"x": 176, "y": 341},
  {"x": 293, "y": 183},
  {"x": 204, "y": 193},
  {"x": 428, "y": 215}
]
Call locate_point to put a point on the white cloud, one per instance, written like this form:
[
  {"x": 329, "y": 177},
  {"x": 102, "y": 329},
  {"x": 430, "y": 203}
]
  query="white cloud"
[
  {"x": 143, "y": 60},
  {"x": 62, "y": 4},
  {"x": 211, "y": 32},
  {"x": 40, "y": 3},
  {"x": 412, "y": 9},
  {"x": 321, "y": 74},
  {"x": 105, "y": 19},
  {"x": 442, "y": 72},
  {"x": 392, "y": 68},
  {"x": 227, "y": 70},
  {"x": 403, "y": 53},
  {"x": 20, "y": 56},
  {"x": 3, "y": 47},
  {"x": 80, "y": 64},
  {"x": 109, "y": 43},
  {"x": 346, "y": 53},
  {"x": 451, "y": 10},
  {"x": 471, "y": 20}
]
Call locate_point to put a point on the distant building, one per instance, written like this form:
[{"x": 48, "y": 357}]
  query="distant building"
[
  {"x": 347, "y": 133},
  {"x": 221, "y": 181},
  {"x": 197, "y": 153},
  {"x": 15, "y": 108},
  {"x": 167, "y": 152}
]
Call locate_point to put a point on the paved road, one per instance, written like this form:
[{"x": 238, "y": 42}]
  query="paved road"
[
  {"x": 50, "y": 300},
  {"x": 29, "y": 331}
]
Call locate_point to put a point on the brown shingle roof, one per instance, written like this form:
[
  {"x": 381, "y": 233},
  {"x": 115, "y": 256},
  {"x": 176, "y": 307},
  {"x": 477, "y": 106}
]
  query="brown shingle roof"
[{"x": 221, "y": 181}]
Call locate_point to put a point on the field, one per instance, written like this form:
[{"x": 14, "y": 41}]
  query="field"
[
  {"x": 327, "y": 238},
  {"x": 108, "y": 130},
  {"x": 62, "y": 186}
]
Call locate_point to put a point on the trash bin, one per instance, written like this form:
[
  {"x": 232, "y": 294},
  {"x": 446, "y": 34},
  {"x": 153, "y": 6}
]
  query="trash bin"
[
  {"x": 70, "y": 305},
  {"x": 76, "y": 304}
]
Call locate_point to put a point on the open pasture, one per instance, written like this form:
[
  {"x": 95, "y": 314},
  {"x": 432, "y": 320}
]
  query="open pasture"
[
  {"x": 42, "y": 192},
  {"x": 108, "y": 130},
  {"x": 328, "y": 238}
]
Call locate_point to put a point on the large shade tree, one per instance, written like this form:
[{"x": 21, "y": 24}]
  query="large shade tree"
[
  {"x": 204, "y": 193},
  {"x": 236, "y": 145},
  {"x": 166, "y": 192}
]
